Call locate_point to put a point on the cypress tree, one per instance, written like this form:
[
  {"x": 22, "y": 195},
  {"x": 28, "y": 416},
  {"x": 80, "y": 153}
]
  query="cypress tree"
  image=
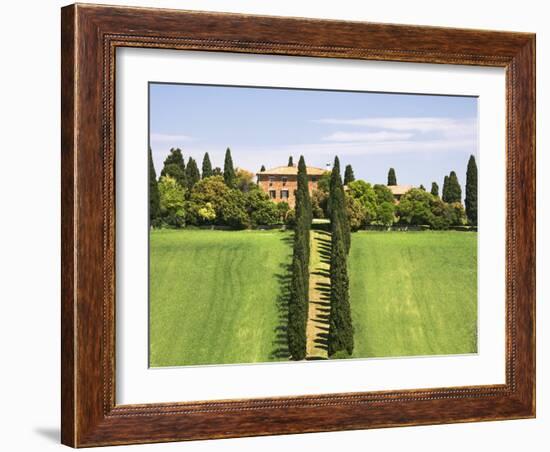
[
  {"x": 454, "y": 192},
  {"x": 392, "y": 180},
  {"x": 348, "y": 175},
  {"x": 154, "y": 195},
  {"x": 206, "y": 166},
  {"x": 228, "y": 170},
  {"x": 299, "y": 299},
  {"x": 422, "y": 187},
  {"x": 174, "y": 166},
  {"x": 471, "y": 191},
  {"x": 340, "y": 336},
  {"x": 435, "y": 189},
  {"x": 337, "y": 200},
  {"x": 290, "y": 162},
  {"x": 192, "y": 174},
  {"x": 445, "y": 191},
  {"x": 262, "y": 169}
]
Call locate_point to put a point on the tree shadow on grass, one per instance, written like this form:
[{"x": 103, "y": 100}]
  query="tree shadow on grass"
[{"x": 284, "y": 277}]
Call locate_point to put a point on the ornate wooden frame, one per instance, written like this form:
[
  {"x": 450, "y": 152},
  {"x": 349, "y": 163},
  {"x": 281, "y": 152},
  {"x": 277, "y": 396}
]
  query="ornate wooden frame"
[{"x": 90, "y": 35}]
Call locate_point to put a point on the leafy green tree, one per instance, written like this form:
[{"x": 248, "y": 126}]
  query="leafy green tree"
[
  {"x": 217, "y": 171},
  {"x": 392, "y": 180},
  {"x": 348, "y": 175},
  {"x": 319, "y": 200},
  {"x": 366, "y": 195},
  {"x": 174, "y": 166},
  {"x": 283, "y": 208},
  {"x": 454, "y": 192},
  {"x": 267, "y": 214},
  {"x": 206, "y": 166},
  {"x": 323, "y": 184},
  {"x": 228, "y": 204},
  {"x": 415, "y": 207},
  {"x": 192, "y": 175},
  {"x": 207, "y": 213},
  {"x": 171, "y": 201},
  {"x": 385, "y": 213},
  {"x": 290, "y": 162},
  {"x": 383, "y": 194},
  {"x": 422, "y": 187},
  {"x": 228, "y": 170},
  {"x": 356, "y": 213},
  {"x": 174, "y": 171},
  {"x": 435, "y": 189},
  {"x": 299, "y": 287},
  {"x": 244, "y": 180},
  {"x": 471, "y": 191},
  {"x": 154, "y": 195}
]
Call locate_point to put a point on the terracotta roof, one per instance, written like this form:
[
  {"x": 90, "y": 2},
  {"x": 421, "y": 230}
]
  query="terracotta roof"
[
  {"x": 399, "y": 189},
  {"x": 291, "y": 170}
]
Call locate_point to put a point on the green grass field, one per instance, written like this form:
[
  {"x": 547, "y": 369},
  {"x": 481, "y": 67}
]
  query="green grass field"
[
  {"x": 217, "y": 297},
  {"x": 413, "y": 293}
]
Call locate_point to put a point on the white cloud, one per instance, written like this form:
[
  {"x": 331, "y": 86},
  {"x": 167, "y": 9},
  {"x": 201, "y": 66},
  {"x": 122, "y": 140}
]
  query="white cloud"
[
  {"x": 448, "y": 126},
  {"x": 382, "y": 136}
]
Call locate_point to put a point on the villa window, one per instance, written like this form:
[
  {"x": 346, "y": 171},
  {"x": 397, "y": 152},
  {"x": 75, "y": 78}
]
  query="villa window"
[
  {"x": 271, "y": 180},
  {"x": 284, "y": 194},
  {"x": 284, "y": 179},
  {"x": 272, "y": 194}
]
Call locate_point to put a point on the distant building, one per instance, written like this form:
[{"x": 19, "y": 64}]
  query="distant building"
[
  {"x": 281, "y": 183},
  {"x": 399, "y": 190}
]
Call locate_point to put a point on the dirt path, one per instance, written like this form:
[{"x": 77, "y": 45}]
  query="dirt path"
[{"x": 319, "y": 296}]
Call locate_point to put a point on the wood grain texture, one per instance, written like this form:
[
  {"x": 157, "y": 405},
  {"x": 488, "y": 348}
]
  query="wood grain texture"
[{"x": 90, "y": 36}]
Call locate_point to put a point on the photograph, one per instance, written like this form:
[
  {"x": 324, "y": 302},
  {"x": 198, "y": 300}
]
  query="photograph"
[{"x": 297, "y": 224}]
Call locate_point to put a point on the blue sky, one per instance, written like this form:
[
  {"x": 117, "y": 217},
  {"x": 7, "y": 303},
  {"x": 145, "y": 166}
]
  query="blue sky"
[{"x": 423, "y": 137}]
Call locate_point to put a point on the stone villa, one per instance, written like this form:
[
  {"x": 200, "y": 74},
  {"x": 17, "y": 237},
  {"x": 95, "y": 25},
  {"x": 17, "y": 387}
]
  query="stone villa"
[{"x": 281, "y": 183}]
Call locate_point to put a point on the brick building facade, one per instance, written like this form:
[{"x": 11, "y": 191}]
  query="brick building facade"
[{"x": 281, "y": 183}]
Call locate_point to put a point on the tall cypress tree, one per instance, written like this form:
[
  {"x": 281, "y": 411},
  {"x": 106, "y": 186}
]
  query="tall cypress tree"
[
  {"x": 262, "y": 169},
  {"x": 348, "y": 175},
  {"x": 174, "y": 166},
  {"x": 290, "y": 161},
  {"x": 337, "y": 200},
  {"x": 445, "y": 191},
  {"x": 435, "y": 189},
  {"x": 471, "y": 191},
  {"x": 206, "y": 166},
  {"x": 299, "y": 299},
  {"x": 228, "y": 170},
  {"x": 392, "y": 180},
  {"x": 154, "y": 195},
  {"x": 192, "y": 174},
  {"x": 454, "y": 192},
  {"x": 340, "y": 336}
]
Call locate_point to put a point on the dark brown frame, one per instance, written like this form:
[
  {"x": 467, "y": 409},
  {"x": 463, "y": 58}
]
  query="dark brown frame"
[{"x": 90, "y": 35}]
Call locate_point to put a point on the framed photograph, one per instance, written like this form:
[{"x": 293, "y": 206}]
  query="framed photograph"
[{"x": 281, "y": 225}]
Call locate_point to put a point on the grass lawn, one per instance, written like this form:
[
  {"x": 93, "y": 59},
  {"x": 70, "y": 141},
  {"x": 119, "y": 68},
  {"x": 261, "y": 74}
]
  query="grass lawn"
[
  {"x": 217, "y": 297},
  {"x": 413, "y": 293}
]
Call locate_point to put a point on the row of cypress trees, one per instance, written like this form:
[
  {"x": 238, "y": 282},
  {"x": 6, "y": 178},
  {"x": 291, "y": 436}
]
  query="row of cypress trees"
[
  {"x": 340, "y": 336},
  {"x": 299, "y": 288},
  {"x": 451, "y": 191}
]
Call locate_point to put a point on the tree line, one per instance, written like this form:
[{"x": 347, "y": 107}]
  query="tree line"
[
  {"x": 184, "y": 196},
  {"x": 374, "y": 205}
]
